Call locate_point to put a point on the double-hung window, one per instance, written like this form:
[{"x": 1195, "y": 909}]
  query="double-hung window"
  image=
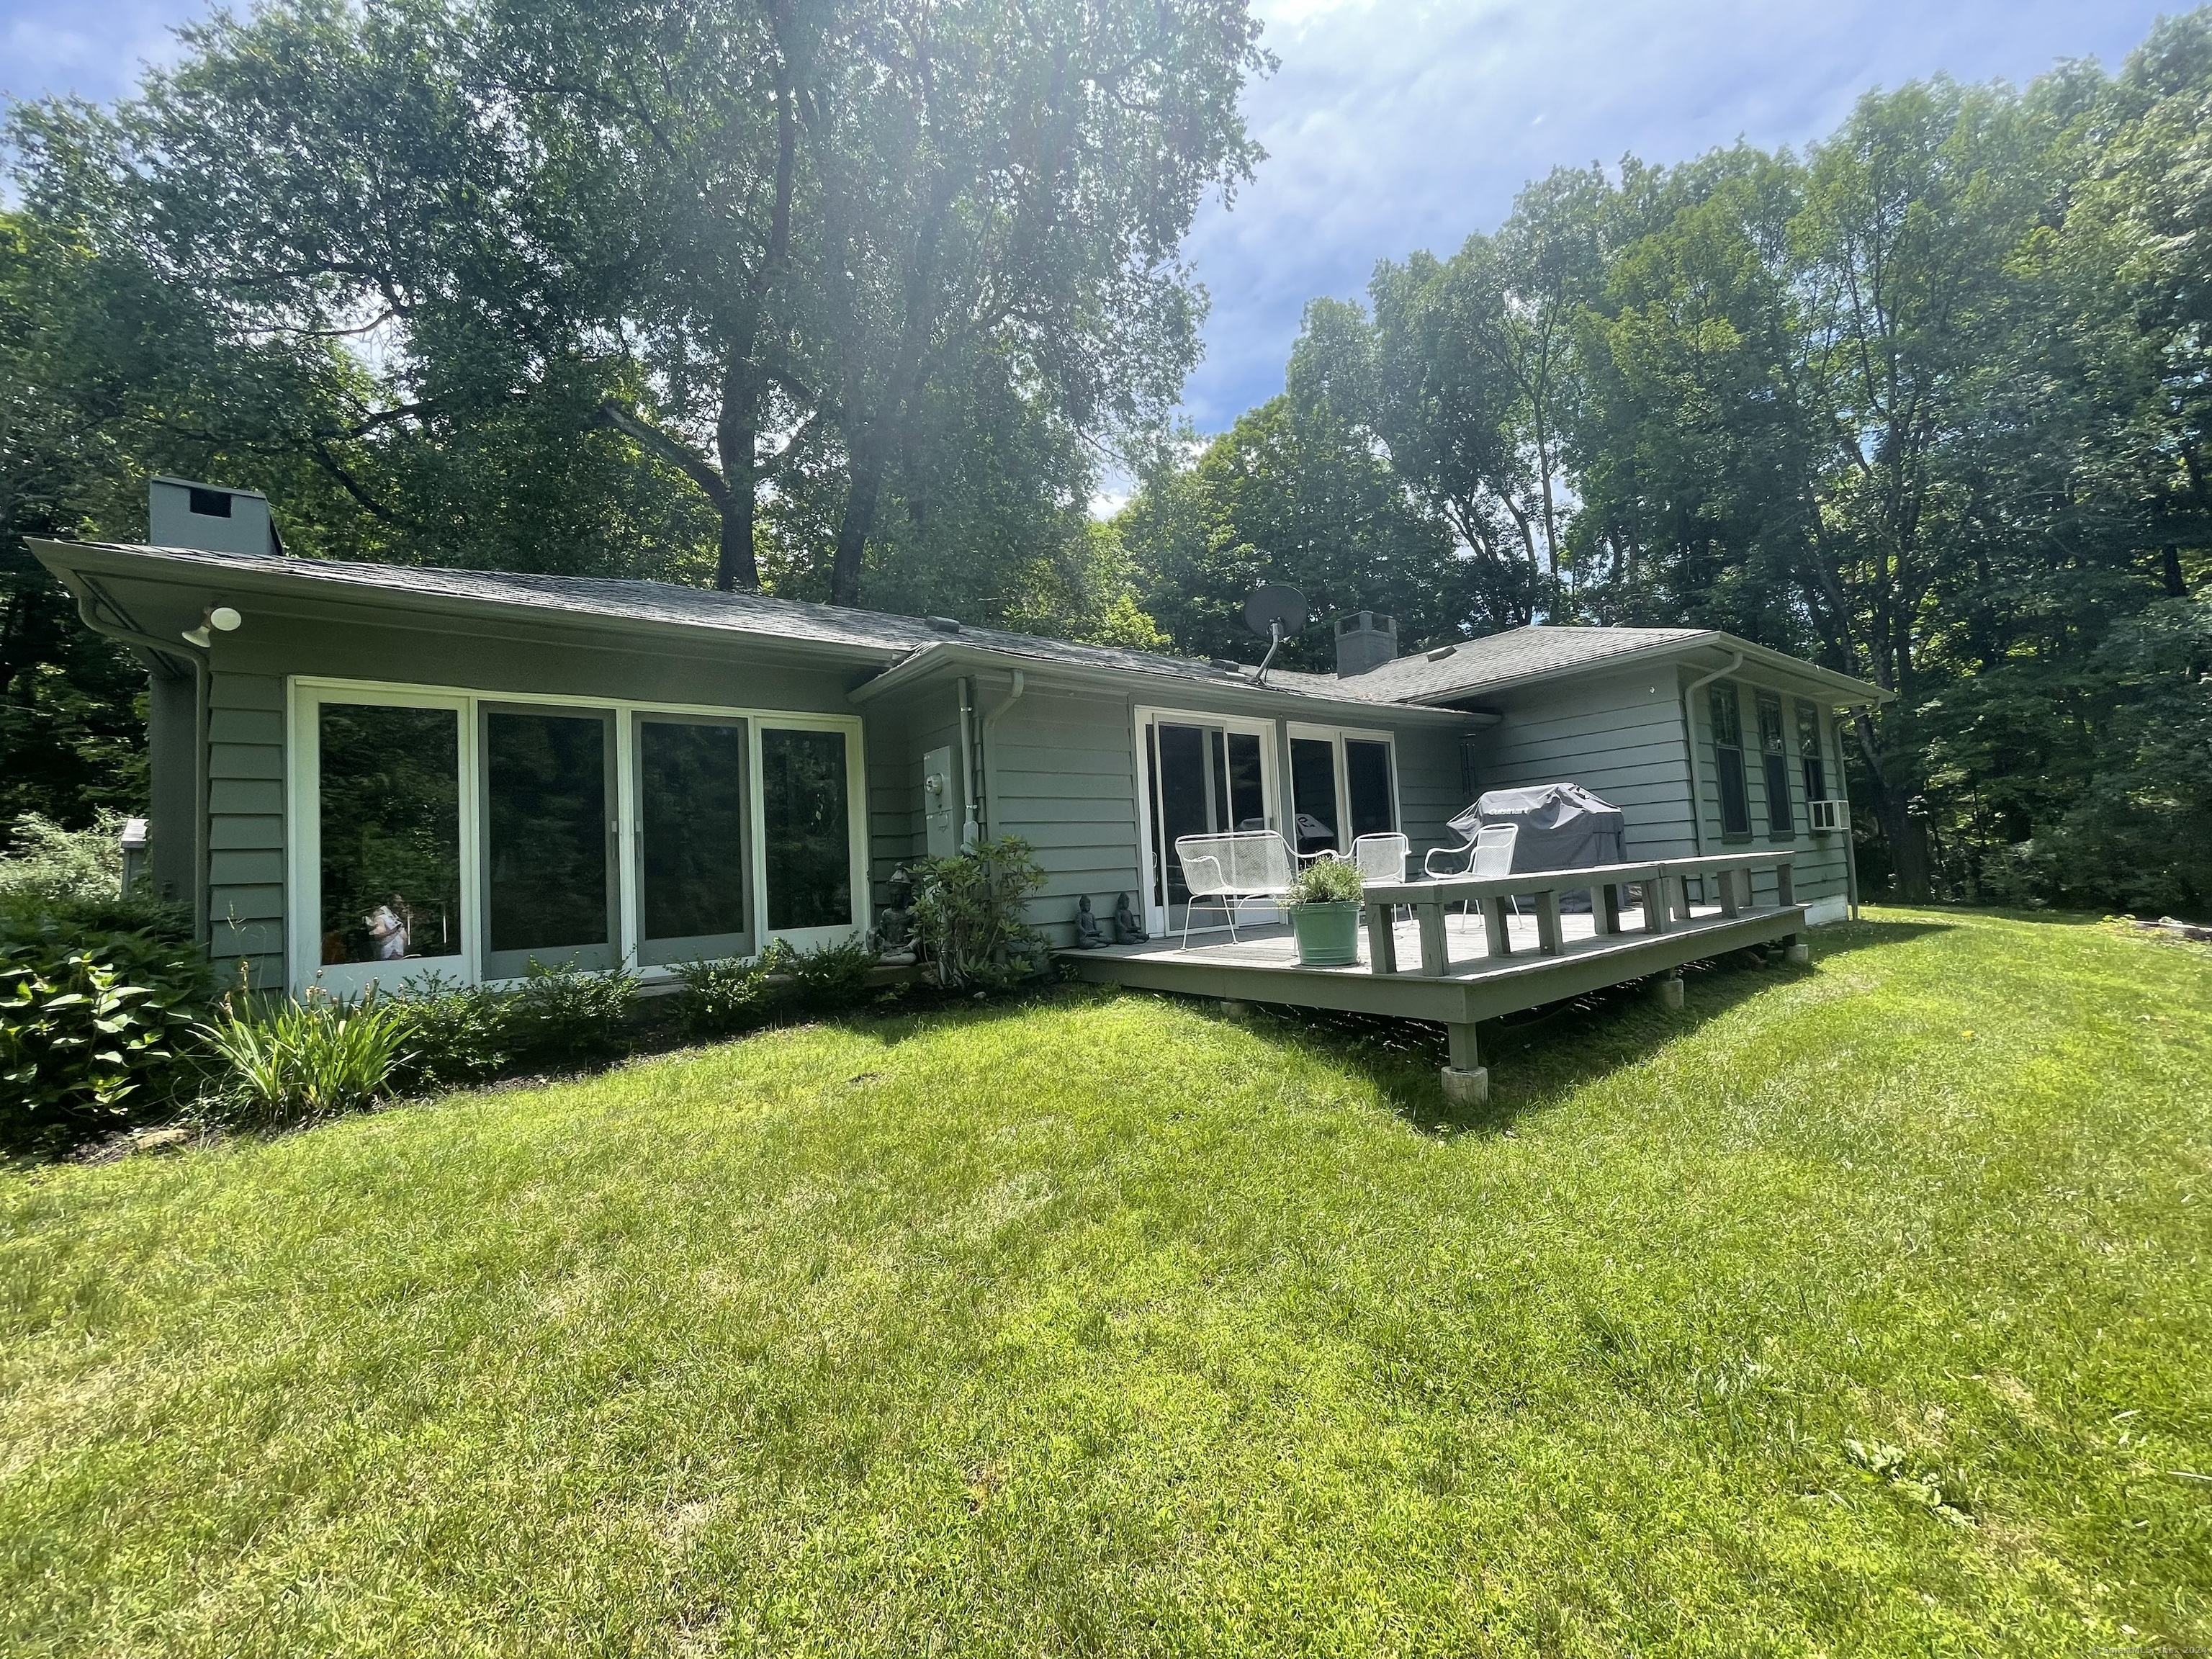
[
  {"x": 1811, "y": 752},
  {"x": 1727, "y": 758},
  {"x": 1774, "y": 756}
]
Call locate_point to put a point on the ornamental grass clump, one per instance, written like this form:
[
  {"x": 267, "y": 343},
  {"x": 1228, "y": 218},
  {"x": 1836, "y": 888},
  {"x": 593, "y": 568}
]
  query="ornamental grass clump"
[
  {"x": 299, "y": 1061},
  {"x": 1328, "y": 881}
]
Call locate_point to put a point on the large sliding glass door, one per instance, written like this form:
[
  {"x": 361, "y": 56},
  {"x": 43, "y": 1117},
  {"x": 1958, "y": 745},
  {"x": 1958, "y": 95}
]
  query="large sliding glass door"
[
  {"x": 1201, "y": 778},
  {"x": 468, "y": 836},
  {"x": 549, "y": 873},
  {"x": 387, "y": 821},
  {"x": 695, "y": 840},
  {"x": 1344, "y": 784}
]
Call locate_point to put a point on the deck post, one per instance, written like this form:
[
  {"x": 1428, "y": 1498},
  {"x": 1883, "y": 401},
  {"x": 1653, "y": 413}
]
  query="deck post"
[
  {"x": 1604, "y": 908},
  {"x": 1667, "y": 990},
  {"x": 1548, "y": 922},
  {"x": 1656, "y": 919},
  {"x": 1496, "y": 913},
  {"x": 1381, "y": 941},
  {"x": 1436, "y": 955},
  {"x": 1466, "y": 1082},
  {"x": 1680, "y": 897},
  {"x": 1785, "y": 883},
  {"x": 1729, "y": 906}
]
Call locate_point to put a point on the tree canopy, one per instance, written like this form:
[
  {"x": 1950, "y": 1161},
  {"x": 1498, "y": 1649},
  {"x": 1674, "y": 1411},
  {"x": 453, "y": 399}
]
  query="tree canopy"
[{"x": 1926, "y": 404}]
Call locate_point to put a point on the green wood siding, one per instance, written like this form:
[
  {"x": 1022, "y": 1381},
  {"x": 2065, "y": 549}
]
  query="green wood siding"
[
  {"x": 246, "y": 826},
  {"x": 1819, "y": 871},
  {"x": 1616, "y": 736},
  {"x": 1065, "y": 778}
]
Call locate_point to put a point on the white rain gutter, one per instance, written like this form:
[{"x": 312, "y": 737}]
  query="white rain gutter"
[{"x": 990, "y": 761}]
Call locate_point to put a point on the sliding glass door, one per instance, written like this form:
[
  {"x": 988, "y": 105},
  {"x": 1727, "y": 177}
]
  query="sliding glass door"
[
  {"x": 387, "y": 862},
  {"x": 438, "y": 831},
  {"x": 694, "y": 842},
  {"x": 1343, "y": 786},
  {"x": 1201, "y": 778},
  {"x": 549, "y": 876}
]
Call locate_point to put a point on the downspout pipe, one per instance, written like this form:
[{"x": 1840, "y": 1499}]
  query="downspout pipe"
[
  {"x": 990, "y": 759},
  {"x": 117, "y": 624},
  {"x": 970, "y": 830},
  {"x": 1690, "y": 745}
]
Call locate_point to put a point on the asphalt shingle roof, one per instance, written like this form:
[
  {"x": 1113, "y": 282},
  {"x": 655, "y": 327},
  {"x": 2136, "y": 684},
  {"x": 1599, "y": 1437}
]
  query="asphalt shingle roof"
[
  {"x": 1473, "y": 665},
  {"x": 894, "y": 637}
]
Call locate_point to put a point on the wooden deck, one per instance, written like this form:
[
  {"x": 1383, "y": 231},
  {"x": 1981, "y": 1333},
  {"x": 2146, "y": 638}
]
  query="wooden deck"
[{"x": 1440, "y": 965}]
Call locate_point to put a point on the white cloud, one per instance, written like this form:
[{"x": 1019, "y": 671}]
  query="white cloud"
[{"x": 1397, "y": 124}]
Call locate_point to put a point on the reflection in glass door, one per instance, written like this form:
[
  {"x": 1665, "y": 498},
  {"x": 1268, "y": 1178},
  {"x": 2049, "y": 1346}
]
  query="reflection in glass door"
[
  {"x": 389, "y": 816},
  {"x": 548, "y": 885},
  {"x": 1313, "y": 795},
  {"x": 807, "y": 820},
  {"x": 694, "y": 865},
  {"x": 1203, "y": 780}
]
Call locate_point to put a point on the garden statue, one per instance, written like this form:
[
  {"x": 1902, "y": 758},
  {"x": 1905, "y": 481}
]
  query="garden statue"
[
  {"x": 1126, "y": 928},
  {"x": 1087, "y": 935},
  {"x": 894, "y": 940}
]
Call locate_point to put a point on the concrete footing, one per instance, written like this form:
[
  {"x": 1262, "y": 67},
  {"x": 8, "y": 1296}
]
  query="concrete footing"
[
  {"x": 1234, "y": 1009},
  {"x": 1798, "y": 955},
  {"x": 1467, "y": 1088},
  {"x": 1667, "y": 992}
]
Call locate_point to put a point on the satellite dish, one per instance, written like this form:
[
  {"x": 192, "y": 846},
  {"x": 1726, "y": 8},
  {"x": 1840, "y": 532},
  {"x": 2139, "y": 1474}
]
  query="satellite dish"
[{"x": 1274, "y": 611}]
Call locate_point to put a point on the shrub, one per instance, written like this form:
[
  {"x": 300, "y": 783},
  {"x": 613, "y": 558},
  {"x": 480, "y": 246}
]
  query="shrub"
[
  {"x": 723, "y": 996},
  {"x": 91, "y": 1019},
  {"x": 1328, "y": 881},
  {"x": 970, "y": 912},
  {"x": 561, "y": 1014},
  {"x": 47, "y": 862},
  {"x": 826, "y": 979},
  {"x": 299, "y": 1061},
  {"x": 456, "y": 1034}
]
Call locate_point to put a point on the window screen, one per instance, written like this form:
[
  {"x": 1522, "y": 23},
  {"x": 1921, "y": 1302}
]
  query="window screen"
[
  {"x": 1811, "y": 752},
  {"x": 1774, "y": 758},
  {"x": 1727, "y": 759},
  {"x": 807, "y": 829}
]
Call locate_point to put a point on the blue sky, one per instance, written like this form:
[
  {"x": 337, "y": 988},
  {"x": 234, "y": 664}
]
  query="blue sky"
[{"x": 1396, "y": 124}]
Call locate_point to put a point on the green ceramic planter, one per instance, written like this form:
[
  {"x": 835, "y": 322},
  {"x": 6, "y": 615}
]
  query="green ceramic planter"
[{"x": 1328, "y": 934}]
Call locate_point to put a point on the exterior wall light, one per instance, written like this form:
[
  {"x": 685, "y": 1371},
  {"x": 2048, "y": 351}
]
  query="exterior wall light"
[{"x": 220, "y": 618}]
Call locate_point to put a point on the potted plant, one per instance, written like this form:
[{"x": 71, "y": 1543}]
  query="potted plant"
[{"x": 1324, "y": 906}]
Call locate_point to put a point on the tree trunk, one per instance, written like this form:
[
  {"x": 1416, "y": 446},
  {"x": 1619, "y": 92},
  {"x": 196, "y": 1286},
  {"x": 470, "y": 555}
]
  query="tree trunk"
[
  {"x": 867, "y": 476},
  {"x": 736, "y": 436},
  {"x": 1907, "y": 837}
]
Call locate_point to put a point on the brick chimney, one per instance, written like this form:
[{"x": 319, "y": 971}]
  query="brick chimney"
[{"x": 1365, "y": 640}]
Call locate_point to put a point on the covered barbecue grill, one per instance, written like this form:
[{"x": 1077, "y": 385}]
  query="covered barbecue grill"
[{"x": 1563, "y": 826}]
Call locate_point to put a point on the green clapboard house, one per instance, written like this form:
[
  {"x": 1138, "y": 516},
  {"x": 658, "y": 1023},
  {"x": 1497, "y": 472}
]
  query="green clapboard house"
[{"x": 370, "y": 772}]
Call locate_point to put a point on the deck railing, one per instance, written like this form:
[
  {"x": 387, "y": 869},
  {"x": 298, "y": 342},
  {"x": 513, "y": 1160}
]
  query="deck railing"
[{"x": 1666, "y": 884}]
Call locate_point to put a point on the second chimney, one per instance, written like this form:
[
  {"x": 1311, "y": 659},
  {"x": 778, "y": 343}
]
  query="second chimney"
[{"x": 1365, "y": 640}]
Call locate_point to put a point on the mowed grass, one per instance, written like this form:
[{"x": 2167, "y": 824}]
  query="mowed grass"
[{"x": 1104, "y": 1324}]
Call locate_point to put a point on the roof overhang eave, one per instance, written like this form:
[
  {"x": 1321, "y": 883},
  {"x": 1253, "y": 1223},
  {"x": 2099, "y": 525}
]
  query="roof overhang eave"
[
  {"x": 117, "y": 559},
  {"x": 954, "y": 657},
  {"x": 1846, "y": 691}
]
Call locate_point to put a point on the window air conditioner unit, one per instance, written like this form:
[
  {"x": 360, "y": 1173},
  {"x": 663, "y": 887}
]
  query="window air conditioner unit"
[{"x": 1827, "y": 816}]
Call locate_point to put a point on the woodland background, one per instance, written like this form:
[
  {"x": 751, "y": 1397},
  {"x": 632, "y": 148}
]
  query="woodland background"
[{"x": 863, "y": 301}]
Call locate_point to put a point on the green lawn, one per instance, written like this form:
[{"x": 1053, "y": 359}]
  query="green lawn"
[{"x": 1106, "y": 1325}]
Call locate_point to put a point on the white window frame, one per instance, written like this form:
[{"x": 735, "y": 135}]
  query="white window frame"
[
  {"x": 1335, "y": 736},
  {"x": 1145, "y": 715},
  {"x": 305, "y": 692}
]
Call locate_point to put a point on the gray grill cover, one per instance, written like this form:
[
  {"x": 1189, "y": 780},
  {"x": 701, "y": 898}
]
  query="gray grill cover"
[{"x": 1563, "y": 826}]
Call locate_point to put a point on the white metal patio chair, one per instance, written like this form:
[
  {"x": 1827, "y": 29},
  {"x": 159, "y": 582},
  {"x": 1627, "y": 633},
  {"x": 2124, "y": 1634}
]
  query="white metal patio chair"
[
  {"x": 1222, "y": 871},
  {"x": 1490, "y": 853},
  {"x": 1383, "y": 858}
]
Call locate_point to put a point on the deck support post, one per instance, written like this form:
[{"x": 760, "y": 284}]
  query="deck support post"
[
  {"x": 1667, "y": 991},
  {"x": 1785, "y": 883},
  {"x": 1730, "y": 906},
  {"x": 1466, "y": 1081},
  {"x": 1657, "y": 918},
  {"x": 1796, "y": 952},
  {"x": 1436, "y": 952},
  {"x": 1547, "y": 923},
  {"x": 1604, "y": 908},
  {"x": 1496, "y": 915},
  {"x": 1381, "y": 941}
]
